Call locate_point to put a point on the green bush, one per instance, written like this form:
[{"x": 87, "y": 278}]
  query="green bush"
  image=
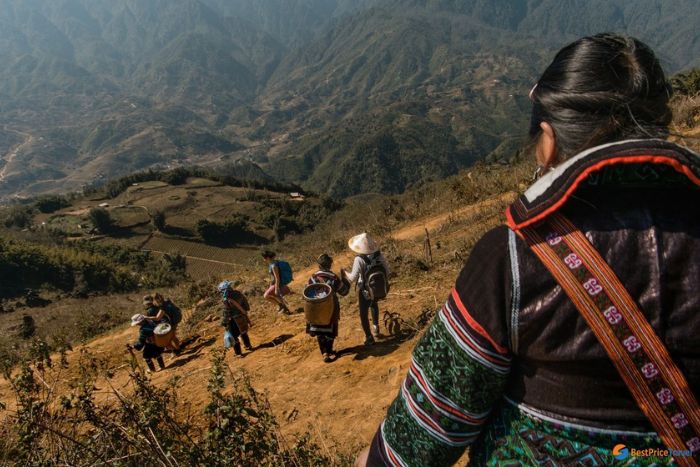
[
  {"x": 229, "y": 233},
  {"x": 17, "y": 216},
  {"x": 158, "y": 220},
  {"x": 687, "y": 83},
  {"x": 82, "y": 268},
  {"x": 101, "y": 220},
  {"x": 51, "y": 203}
]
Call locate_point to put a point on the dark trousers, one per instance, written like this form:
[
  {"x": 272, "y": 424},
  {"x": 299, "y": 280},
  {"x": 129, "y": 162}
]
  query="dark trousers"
[
  {"x": 325, "y": 343},
  {"x": 365, "y": 306},
  {"x": 236, "y": 333},
  {"x": 152, "y": 367}
]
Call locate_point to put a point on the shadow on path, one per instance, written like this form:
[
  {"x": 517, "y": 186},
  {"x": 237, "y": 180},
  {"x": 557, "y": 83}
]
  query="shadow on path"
[
  {"x": 274, "y": 342},
  {"x": 380, "y": 348}
]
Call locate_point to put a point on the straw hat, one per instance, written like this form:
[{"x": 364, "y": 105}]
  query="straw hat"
[
  {"x": 137, "y": 319},
  {"x": 363, "y": 244}
]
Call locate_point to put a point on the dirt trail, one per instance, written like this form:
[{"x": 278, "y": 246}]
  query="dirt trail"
[
  {"x": 12, "y": 154},
  {"x": 341, "y": 402},
  {"x": 413, "y": 231}
]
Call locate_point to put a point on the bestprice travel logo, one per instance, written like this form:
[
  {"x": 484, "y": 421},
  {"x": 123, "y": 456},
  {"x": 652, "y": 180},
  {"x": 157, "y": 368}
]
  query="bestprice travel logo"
[{"x": 621, "y": 452}]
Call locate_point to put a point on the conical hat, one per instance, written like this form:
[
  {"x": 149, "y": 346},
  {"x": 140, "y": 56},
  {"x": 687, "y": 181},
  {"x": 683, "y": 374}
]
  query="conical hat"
[
  {"x": 137, "y": 319},
  {"x": 363, "y": 244}
]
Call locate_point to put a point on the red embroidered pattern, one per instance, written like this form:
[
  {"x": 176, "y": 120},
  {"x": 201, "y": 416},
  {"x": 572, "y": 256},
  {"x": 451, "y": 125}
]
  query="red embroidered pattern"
[{"x": 616, "y": 321}]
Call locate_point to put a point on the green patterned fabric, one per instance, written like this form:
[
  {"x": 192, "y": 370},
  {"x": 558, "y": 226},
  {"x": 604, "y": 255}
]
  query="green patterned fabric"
[
  {"x": 420, "y": 424},
  {"x": 514, "y": 438},
  {"x": 436, "y": 349}
]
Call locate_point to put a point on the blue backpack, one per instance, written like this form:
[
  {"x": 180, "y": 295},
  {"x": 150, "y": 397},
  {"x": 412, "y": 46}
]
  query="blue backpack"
[{"x": 286, "y": 275}]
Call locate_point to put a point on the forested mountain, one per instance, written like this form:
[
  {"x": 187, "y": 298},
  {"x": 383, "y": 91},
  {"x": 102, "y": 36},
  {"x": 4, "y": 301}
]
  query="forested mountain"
[{"x": 346, "y": 95}]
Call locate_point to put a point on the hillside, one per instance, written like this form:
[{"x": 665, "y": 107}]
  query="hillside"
[
  {"x": 304, "y": 393},
  {"x": 95, "y": 89}
]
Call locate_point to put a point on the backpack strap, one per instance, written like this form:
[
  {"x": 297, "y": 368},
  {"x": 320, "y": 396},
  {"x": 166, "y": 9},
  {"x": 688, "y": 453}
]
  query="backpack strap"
[{"x": 641, "y": 359}]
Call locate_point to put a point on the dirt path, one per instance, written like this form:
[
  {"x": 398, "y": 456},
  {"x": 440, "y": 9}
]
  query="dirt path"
[
  {"x": 417, "y": 229},
  {"x": 413, "y": 231}
]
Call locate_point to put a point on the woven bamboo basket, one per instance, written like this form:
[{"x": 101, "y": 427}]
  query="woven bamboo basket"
[{"x": 318, "y": 304}]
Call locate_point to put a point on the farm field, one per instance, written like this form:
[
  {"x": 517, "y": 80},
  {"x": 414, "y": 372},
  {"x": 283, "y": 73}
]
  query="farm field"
[{"x": 205, "y": 260}]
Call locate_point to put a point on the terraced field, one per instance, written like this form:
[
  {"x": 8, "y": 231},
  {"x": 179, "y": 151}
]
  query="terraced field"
[{"x": 204, "y": 260}]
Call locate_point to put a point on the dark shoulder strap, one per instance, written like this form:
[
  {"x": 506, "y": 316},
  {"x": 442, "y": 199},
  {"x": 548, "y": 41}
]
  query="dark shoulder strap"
[{"x": 642, "y": 360}]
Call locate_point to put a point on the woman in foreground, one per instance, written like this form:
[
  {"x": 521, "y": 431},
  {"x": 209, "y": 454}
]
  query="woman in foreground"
[{"x": 571, "y": 335}]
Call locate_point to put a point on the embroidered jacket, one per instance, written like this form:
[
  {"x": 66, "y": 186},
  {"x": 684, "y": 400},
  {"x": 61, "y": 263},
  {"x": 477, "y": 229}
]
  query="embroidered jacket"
[
  {"x": 508, "y": 336},
  {"x": 325, "y": 277}
]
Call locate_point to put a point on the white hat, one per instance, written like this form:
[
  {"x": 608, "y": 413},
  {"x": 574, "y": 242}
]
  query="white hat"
[
  {"x": 363, "y": 244},
  {"x": 137, "y": 319}
]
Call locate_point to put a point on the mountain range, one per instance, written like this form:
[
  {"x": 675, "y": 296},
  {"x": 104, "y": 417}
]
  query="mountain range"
[{"x": 344, "y": 96}]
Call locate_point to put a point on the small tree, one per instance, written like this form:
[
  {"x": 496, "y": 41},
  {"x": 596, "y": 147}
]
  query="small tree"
[
  {"x": 17, "y": 216},
  {"x": 158, "y": 221},
  {"x": 28, "y": 328},
  {"x": 51, "y": 203},
  {"x": 101, "y": 219}
]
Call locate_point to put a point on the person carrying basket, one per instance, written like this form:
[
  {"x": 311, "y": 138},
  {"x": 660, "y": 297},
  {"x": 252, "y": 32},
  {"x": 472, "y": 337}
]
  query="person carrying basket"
[
  {"x": 146, "y": 342},
  {"x": 326, "y": 333}
]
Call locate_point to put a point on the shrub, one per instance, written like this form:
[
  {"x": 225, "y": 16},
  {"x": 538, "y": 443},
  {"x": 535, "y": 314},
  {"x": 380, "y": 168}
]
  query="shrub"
[
  {"x": 687, "y": 83},
  {"x": 28, "y": 328},
  {"x": 82, "y": 268},
  {"x": 145, "y": 425},
  {"x": 51, "y": 203},
  {"x": 17, "y": 216},
  {"x": 101, "y": 220},
  {"x": 158, "y": 221},
  {"x": 229, "y": 233}
]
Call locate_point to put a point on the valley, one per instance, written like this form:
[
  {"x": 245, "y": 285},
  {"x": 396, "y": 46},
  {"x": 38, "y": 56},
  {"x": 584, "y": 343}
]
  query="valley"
[{"x": 335, "y": 95}]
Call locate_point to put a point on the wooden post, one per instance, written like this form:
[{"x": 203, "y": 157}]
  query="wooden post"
[{"x": 427, "y": 250}]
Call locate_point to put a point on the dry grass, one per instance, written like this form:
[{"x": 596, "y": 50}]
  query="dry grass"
[{"x": 686, "y": 121}]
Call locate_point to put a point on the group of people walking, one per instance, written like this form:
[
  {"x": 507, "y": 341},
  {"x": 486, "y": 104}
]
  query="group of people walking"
[
  {"x": 368, "y": 264},
  {"x": 571, "y": 333},
  {"x": 157, "y": 329},
  {"x": 368, "y": 259},
  {"x": 369, "y": 272}
]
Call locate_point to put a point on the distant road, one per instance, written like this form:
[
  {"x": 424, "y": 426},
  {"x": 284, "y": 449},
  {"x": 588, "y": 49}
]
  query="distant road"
[
  {"x": 12, "y": 154},
  {"x": 198, "y": 258}
]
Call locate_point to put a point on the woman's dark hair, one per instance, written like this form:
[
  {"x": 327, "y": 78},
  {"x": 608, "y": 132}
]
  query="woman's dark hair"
[
  {"x": 325, "y": 261},
  {"x": 601, "y": 89},
  {"x": 267, "y": 254}
]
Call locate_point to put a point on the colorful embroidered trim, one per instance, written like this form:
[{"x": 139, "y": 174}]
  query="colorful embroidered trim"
[{"x": 640, "y": 357}]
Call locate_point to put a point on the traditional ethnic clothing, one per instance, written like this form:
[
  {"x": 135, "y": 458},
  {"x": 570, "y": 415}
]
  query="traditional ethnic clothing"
[
  {"x": 326, "y": 334},
  {"x": 150, "y": 349},
  {"x": 511, "y": 369},
  {"x": 235, "y": 320}
]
